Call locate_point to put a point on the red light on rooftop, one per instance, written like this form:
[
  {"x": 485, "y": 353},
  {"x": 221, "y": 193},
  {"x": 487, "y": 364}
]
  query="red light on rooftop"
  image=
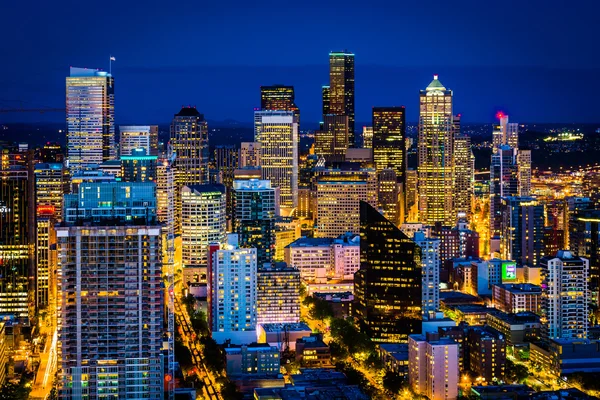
[{"x": 500, "y": 115}]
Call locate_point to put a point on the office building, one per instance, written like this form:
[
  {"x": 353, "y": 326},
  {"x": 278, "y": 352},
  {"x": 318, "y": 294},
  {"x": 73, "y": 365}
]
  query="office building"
[
  {"x": 189, "y": 139},
  {"x": 522, "y": 230},
  {"x": 138, "y": 137},
  {"x": 254, "y": 208},
  {"x": 367, "y": 137},
  {"x": 278, "y": 294},
  {"x": 90, "y": 117},
  {"x": 388, "y": 195},
  {"x": 278, "y": 98},
  {"x": 50, "y": 186},
  {"x": 332, "y": 139},
  {"x": 524, "y": 171},
  {"x": 387, "y": 287},
  {"x": 464, "y": 169},
  {"x": 252, "y": 359},
  {"x": 326, "y": 96},
  {"x": 45, "y": 248},
  {"x": 233, "y": 291},
  {"x": 515, "y": 298},
  {"x": 435, "y": 145},
  {"x": 504, "y": 182},
  {"x": 165, "y": 195},
  {"x": 138, "y": 167},
  {"x": 17, "y": 242},
  {"x": 341, "y": 89},
  {"x": 433, "y": 366},
  {"x": 505, "y": 133},
  {"x": 389, "y": 137},
  {"x": 565, "y": 296},
  {"x": 249, "y": 154},
  {"x": 337, "y": 258},
  {"x": 277, "y": 133},
  {"x": 338, "y": 196},
  {"x": 430, "y": 268},
  {"x": 110, "y": 326},
  {"x": 486, "y": 348},
  {"x": 202, "y": 223}
]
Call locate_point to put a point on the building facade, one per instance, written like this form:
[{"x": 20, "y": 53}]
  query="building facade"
[
  {"x": 278, "y": 294},
  {"x": 338, "y": 98},
  {"x": 138, "y": 137}
]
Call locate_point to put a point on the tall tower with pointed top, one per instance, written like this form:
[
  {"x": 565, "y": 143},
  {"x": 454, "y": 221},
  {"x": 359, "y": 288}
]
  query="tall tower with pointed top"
[{"x": 435, "y": 144}]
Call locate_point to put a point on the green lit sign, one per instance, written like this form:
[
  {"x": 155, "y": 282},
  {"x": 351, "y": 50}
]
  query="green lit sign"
[{"x": 509, "y": 271}]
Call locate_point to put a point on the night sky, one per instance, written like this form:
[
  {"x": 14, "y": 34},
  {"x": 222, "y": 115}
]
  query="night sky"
[{"x": 536, "y": 60}]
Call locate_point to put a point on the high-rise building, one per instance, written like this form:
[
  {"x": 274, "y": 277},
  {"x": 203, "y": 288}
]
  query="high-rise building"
[
  {"x": 17, "y": 241},
  {"x": 45, "y": 249},
  {"x": 277, "y": 133},
  {"x": 90, "y": 117},
  {"x": 278, "y": 294},
  {"x": 50, "y": 188},
  {"x": 367, "y": 137},
  {"x": 487, "y": 353},
  {"x": 337, "y": 258},
  {"x": 249, "y": 154},
  {"x": 430, "y": 268},
  {"x": 278, "y": 98},
  {"x": 138, "y": 167},
  {"x": 165, "y": 195},
  {"x": 389, "y": 135},
  {"x": 565, "y": 296},
  {"x": 524, "y": 171},
  {"x": 111, "y": 302},
  {"x": 254, "y": 208},
  {"x": 388, "y": 195},
  {"x": 387, "y": 287},
  {"x": 522, "y": 230},
  {"x": 339, "y": 192},
  {"x": 189, "y": 138},
  {"x": 331, "y": 140},
  {"x": 341, "y": 88},
  {"x": 433, "y": 366},
  {"x": 435, "y": 145},
  {"x": 464, "y": 169},
  {"x": 505, "y": 133},
  {"x": 504, "y": 182},
  {"x": 584, "y": 233},
  {"x": 138, "y": 137},
  {"x": 234, "y": 294},
  {"x": 202, "y": 223}
]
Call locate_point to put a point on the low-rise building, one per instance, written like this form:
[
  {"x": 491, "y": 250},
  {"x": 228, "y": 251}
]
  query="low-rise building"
[
  {"x": 487, "y": 353},
  {"x": 394, "y": 357},
  {"x": 517, "y": 297},
  {"x": 252, "y": 359},
  {"x": 341, "y": 303},
  {"x": 566, "y": 356},
  {"x": 279, "y": 334},
  {"x": 518, "y": 328},
  {"x": 312, "y": 352}
]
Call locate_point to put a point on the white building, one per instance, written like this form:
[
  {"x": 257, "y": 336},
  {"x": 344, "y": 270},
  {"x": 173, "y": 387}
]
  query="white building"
[
  {"x": 430, "y": 268},
  {"x": 138, "y": 137},
  {"x": 277, "y": 133},
  {"x": 337, "y": 258},
  {"x": 202, "y": 223},
  {"x": 565, "y": 296},
  {"x": 165, "y": 195},
  {"x": 433, "y": 366},
  {"x": 233, "y": 295}
]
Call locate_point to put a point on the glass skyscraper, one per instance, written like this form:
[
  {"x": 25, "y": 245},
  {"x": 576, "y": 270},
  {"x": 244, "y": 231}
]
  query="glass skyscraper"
[
  {"x": 90, "y": 117},
  {"x": 341, "y": 88}
]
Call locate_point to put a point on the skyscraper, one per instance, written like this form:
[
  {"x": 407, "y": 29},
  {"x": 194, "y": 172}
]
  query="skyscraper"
[
  {"x": 277, "y": 132},
  {"x": 165, "y": 195},
  {"x": 522, "y": 237},
  {"x": 202, "y": 222},
  {"x": 90, "y": 117},
  {"x": 584, "y": 234},
  {"x": 524, "y": 171},
  {"x": 189, "y": 138},
  {"x": 505, "y": 133},
  {"x": 278, "y": 98},
  {"x": 278, "y": 294},
  {"x": 332, "y": 139},
  {"x": 389, "y": 135},
  {"x": 50, "y": 187},
  {"x": 368, "y": 137},
  {"x": 387, "y": 287},
  {"x": 111, "y": 302},
  {"x": 249, "y": 154},
  {"x": 388, "y": 195},
  {"x": 430, "y": 266},
  {"x": 138, "y": 137},
  {"x": 504, "y": 182},
  {"x": 254, "y": 217},
  {"x": 565, "y": 296},
  {"x": 138, "y": 166},
  {"x": 435, "y": 144},
  {"x": 464, "y": 168},
  {"x": 341, "y": 88}
]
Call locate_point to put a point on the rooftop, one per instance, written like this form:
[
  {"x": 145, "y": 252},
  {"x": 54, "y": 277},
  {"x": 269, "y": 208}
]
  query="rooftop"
[{"x": 292, "y": 327}]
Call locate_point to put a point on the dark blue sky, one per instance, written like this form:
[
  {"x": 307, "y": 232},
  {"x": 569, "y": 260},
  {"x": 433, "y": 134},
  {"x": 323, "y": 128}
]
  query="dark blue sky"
[{"x": 537, "y": 60}]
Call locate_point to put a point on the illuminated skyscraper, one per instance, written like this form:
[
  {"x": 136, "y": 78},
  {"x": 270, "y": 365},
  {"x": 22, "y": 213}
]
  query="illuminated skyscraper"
[
  {"x": 368, "y": 137},
  {"x": 189, "y": 138},
  {"x": 464, "y": 164},
  {"x": 46, "y": 260},
  {"x": 277, "y": 132},
  {"x": 436, "y": 134},
  {"x": 278, "y": 294},
  {"x": 524, "y": 168},
  {"x": 430, "y": 265},
  {"x": 341, "y": 88},
  {"x": 138, "y": 137},
  {"x": 90, "y": 117},
  {"x": 504, "y": 182},
  {"x": 387, "y": 191},
  {"x": 254, "y": 217},
  {"x": 331, "y": 140},
  {"x": 505, "y": 133},
  {"x": 325, "y": 93},
  {"x": 278, "y": 98},
  {"x": 387, "y": 287},
  {"x": 249, "y": 154},
  {"x": 165, "y": 195},
  {"x": 202, "y": 222},
  {"x": 522, "y": 235},
  {"x": 110, "y": 327},
  {"x": 50, "y": 188},
  {"x": 138, "y": 166},
  {"x": 389, "y": 135}
]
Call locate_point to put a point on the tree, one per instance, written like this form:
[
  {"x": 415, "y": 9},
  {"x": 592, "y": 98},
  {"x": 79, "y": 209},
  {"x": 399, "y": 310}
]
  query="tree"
[
  {"x": 393, "y": 382},
  {"x": 214, "y": 357},
  {"x": 515, "y": 372}
]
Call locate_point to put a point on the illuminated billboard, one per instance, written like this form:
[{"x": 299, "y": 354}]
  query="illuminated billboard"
[{"x": 509, "y": 271}]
